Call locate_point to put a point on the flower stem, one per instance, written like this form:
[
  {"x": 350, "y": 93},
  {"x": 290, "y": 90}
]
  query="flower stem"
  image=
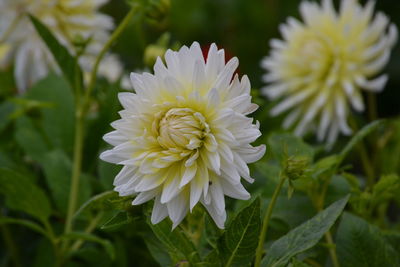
[
  {"x": 10, "y": 244},
  {"x": 267, "y": 217},
  {"x": 319, "y": 205},
  {"x": 81, "y": 111},
  {"x": 76, "y": 169},
  {"x": 103, "y": 51},
  {"x": 332, "y": 249},
  {"x": 92, "y": 225}
]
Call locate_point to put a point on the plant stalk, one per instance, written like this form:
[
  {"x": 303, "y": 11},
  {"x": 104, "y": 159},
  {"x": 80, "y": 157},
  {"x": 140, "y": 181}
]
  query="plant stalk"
[
  {"x": 267, "y": 217},
  {"x": 76, "y": 169},
  {"x": 80, "y": 115},
  {"x": 104, "y": 50},
  {"x": 92, "y": 225}
]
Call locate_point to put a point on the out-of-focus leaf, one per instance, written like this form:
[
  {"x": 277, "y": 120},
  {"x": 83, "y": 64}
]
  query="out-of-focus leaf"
[
  {"x": 304, "y": 236},
  {"x": 6, "y": 110},
  {"x": 44, "y": 255},
  {"x": 285, "y": 145},
  {"x": 326, "y": 166},
  {"x": 387, "y": 188},
  {"x": 157, "y": 250},
  {"x": 23, "y": 195},
  {"x": 29, "y": 224},
  {"x": 58, "y": 168},
  {"x": 360, "y": 135},
  {"x": 101, "y": 201},
  {"x": 30, "y": 139},
  {"x": 58, "y": 121},
  {"x": 67, "y": 63},
  {"x": 393, "y": 238},
  {"x": 238, "y": 244},
  {"x": 107, "y": 245},
  {"x": 296, "y": 263},
  {"x": 361, "y": 244},
  {"x": 178, "y": 245}
]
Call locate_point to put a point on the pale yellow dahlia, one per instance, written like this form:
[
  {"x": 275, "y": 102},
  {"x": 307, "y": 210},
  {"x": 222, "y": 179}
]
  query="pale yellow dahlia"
[
  {"x": 321, "y": 67},
  {"x": 184, "y": 136},
  {"x": 69, "y": 21}
]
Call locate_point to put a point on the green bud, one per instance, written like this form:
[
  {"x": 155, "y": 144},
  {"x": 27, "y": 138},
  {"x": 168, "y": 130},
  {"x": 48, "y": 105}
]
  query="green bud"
[
  {"x": 295, "y": 167},
  {"x": 156, "y": 12}
]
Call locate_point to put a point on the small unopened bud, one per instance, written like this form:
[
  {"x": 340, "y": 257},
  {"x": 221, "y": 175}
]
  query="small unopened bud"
[
  {"x": 80, "y": 43},
  {"x": 295, "y": 167},
  {"x": 157, "y": 12}
]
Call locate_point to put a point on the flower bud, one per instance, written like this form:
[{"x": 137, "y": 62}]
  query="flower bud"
[{"x": 295, "y": 167}]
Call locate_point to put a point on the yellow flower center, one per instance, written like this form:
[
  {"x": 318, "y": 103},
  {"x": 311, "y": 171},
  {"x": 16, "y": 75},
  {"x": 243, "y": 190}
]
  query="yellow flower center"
[{"x": 182, "y": 128}]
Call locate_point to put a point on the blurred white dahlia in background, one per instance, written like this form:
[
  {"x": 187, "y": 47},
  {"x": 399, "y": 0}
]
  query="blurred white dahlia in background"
[
  {"x": 321, "y": 67},
  {"x": 68, "y": 20},
  {"x": 184, "y": 136}
]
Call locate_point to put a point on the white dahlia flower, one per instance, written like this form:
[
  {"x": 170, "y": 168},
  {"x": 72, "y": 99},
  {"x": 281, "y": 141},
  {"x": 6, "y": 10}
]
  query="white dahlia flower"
[
  {"x": 321, "y": 67},
  {"x": 184, "y": 136},
  {"x": 68, "y": 20}
]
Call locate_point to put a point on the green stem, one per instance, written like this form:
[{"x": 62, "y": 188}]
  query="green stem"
[
  {"x": 319, "y": 204},
  {"x": 367, "y": 164},
  {"x": 76, "y": 170},
  {"x": 332, "y": 249},
  {"x": 267, "y": 217},
  {"x": 82, "y": 108},
  {"x": 10, "y": 244},
  {"x": 92, "y": 225},
  {"x": 106, "y": 47}
]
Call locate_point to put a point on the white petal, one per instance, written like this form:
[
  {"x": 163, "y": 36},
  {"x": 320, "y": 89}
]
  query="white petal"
[
  {"x": 234, "y": 190},
  {"x": 159, "y": 212},
  {"x": 188, "y": 174},
  {"x": 178, "y": 208},
  {"x": 145, "y": 196}
]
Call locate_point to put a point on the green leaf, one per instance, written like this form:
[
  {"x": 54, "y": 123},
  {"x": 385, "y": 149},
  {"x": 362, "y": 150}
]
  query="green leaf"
[
  {"x": 178, "y": 245},
  {"x": 386, "y": 188},
  {"x": 361, "y": 244},
  {"x": 58, "y": 168},
  {"x": 6, "y": 109},
  {"x": 304, "y": 236},
  {"x": 284, "y": 145},
  {"x": 57, "y": 120},
  {"x": 23, "y": 195},
  {"x": 29, "y": 224},
  {"x": 360, "y": 135},
  {"x": 30, "y": 139},
  {"x": 107, "y": 245},
  {"x": 116, "y": 221},
  {"x": 393, "y": 238},
  {"x": 326, "y": 166},
  {"x": 67, "y": 63},
  {"x": 238, "y": 244},
  {"x": 98, "y": 202},
  {"x": 157, "y": 250}
]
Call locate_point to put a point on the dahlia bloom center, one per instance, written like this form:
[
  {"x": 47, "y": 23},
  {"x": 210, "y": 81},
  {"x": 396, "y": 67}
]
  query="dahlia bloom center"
[{"x": 182, "y": 128}]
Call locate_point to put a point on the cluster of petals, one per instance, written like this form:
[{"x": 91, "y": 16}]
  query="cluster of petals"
[
  {"x": 69, "y": 20},
  {"x": 319, "y": 69},
  {"x": 184, "y": 135}
]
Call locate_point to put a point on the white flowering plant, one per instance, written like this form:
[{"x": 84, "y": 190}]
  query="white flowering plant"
[{"x": 130, "y": 138}]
